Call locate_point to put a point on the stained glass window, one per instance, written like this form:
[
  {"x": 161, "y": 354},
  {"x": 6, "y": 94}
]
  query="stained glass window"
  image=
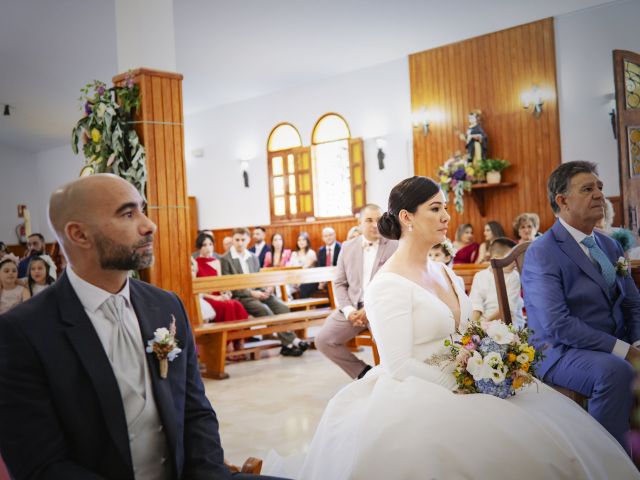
[
  {"x": 634, "y": 151},
  {"x": 632, "y": 84}
]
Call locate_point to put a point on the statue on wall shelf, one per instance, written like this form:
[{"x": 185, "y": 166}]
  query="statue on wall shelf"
[{"x": 475, "y": 139}]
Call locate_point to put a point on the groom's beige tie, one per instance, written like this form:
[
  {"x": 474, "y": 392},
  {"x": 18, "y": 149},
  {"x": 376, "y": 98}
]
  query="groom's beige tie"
[
  {"x": 147, "y": 441},
  {"x": 126, "y": 357}
]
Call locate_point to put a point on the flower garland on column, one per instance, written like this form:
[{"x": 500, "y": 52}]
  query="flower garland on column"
[{"x": 109, "y": 142}]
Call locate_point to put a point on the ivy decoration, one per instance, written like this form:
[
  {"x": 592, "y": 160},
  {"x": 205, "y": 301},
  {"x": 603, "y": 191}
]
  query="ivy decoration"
[{"x": 109, "y": 142}]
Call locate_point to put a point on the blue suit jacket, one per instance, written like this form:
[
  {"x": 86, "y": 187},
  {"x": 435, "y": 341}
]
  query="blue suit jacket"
[
  {"x": 263, "y": 253},
  {"x": 567, "y": 299},
  {"x": 61, "y": 414}
]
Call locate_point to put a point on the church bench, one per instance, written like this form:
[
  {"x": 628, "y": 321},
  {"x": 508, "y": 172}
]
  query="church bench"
[
  {"x": 467, "y": 271},
  {"x": 322, "y": 299},
  {"x": 212, "y": 338}
]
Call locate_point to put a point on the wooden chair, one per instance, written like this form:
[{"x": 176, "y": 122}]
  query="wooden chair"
[{"x": 498, "y": 264}]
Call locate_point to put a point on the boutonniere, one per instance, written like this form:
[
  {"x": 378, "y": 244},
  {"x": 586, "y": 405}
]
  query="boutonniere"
[
  {"x": 622, "y": 267},
  {"x": 165, "y": 346}
]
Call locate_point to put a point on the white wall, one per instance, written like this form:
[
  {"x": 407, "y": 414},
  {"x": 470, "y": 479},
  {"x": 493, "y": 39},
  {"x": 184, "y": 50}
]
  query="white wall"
[
  {"x": 375, "y": 103},
  {"x": 56, "y": 167},
  {"x": 584, "y": 42},
  {"x": 18, "y": 185}
]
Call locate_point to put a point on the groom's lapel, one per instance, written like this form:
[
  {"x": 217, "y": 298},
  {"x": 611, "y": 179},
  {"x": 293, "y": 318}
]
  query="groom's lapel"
[
  {"x": 151, "y": 317},
  {"x": 569, "y": 246},
  {"x": 85, "y": 341}
]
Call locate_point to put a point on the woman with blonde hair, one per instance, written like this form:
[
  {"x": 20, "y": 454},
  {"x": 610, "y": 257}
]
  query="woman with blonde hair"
[{"x": 526, "y": 226}]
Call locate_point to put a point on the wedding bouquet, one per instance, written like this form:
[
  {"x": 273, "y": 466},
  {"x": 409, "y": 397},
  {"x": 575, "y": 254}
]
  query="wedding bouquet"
[
  {"x": 490, "y": 357},
  {"x": 456, "y": 174}
]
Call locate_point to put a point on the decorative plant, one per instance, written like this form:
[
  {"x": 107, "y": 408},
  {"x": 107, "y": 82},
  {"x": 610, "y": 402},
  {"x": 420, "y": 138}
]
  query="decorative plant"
[
  {"x": 456, "y": 174},
  {"x": 109, "y": 142},
  {"x": 493, "y": 164}
]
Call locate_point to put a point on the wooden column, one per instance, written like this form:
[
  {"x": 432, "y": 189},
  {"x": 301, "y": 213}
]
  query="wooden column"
[{"x": 161, "y": 130}]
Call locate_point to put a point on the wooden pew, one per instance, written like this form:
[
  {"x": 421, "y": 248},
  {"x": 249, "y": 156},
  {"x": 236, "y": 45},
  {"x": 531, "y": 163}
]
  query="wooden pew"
[
  {"x": 467, "y": 271},
  {"x": 212, "y": 337},
  {"x": 321, "y": 300}
]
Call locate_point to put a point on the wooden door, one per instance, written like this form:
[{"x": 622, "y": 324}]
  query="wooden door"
[{"x": 626, "y": 71}]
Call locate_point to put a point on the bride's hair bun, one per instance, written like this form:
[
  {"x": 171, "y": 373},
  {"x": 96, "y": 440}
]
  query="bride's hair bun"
[{"x": 389, "y": 226}]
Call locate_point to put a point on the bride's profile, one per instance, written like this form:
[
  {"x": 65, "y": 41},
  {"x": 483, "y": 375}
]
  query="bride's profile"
[{"x": 403, "y": 419}]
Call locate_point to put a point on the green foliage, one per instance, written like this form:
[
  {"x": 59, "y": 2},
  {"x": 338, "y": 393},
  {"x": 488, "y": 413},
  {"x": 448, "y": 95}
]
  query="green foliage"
[
  {"x": 106, "y": 135},
  {"x": 493, "y": 164}
]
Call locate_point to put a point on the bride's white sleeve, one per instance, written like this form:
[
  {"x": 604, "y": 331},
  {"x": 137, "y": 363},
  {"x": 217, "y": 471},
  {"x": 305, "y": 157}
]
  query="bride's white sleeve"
[{"x": 389, "y": 307}]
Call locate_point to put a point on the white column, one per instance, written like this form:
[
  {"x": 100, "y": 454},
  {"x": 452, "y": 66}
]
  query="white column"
[{"x": 145, "y": 34}]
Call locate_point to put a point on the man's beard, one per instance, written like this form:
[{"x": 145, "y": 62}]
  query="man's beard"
[{"x": 116, "y": 256}]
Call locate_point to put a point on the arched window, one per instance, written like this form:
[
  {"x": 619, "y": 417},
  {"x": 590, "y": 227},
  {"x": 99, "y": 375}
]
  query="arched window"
[
  {"x": 338, "y": 168},
  {"x": 329, "y": 185}
]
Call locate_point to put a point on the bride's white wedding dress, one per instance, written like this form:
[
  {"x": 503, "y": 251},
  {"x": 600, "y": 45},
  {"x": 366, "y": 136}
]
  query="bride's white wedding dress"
[{"x": 402, "y": 421}]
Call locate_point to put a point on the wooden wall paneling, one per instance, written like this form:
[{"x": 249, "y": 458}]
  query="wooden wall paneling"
[
  {"x": 290, "y": 231},
  {"x": 490, "y": 73}
]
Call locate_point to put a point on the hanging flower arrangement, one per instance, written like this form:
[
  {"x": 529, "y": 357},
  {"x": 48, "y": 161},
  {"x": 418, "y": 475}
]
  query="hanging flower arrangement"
[
  {"x": 456, "y": 174},
  {"x": 108, "y": 140}
]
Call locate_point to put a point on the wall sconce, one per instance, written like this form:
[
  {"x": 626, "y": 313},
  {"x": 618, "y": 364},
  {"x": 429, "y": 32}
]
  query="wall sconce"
[
  {"x": 380, "y": 143},
  {"x": 612, "y": 115},
  {"x": 533, "y": 98},
  {"x": 7, "y": 110},
  {"x": 244, "y": 167},
  {"x": 421, "y": 119}
]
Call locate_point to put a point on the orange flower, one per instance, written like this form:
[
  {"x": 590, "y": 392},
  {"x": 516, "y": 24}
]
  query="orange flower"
[
  {"x": 466, "y": 339},
  {"x": 517, "y": 382},
  {"x": 468, "y": 381},
  {"x": 511, "y": 357},
  {"x": 525, "y": 367}
]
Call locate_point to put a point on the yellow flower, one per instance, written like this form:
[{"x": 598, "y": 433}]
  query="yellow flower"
[
  {"x": 444, "y": 179},
  {"x": 466, "y": 339},
  {"x": 511, "y": 357},
  {"x": 469, "y": 170},
  {"x": 468, "y": 381},
  {"x": 530, "y": 352},
  {"x": 525, "y": 367},
  {"x": 517, "y": 382},
  {"x": 95, "y": 135}
]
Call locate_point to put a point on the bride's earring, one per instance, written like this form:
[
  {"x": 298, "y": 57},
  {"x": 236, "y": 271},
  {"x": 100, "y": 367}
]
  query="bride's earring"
[{"x": 410, "y": 227}]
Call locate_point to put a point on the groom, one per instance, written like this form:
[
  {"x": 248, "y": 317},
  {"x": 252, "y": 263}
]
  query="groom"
[
  {"x": 585, "y": 311},
  {"x": 79, "y": 397}
]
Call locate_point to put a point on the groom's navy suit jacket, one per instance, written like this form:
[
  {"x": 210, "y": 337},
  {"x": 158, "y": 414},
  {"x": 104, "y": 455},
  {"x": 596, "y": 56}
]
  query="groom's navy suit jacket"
[
  {"x": 61, "y": 413},
  {"x": 568, "y": 302}
]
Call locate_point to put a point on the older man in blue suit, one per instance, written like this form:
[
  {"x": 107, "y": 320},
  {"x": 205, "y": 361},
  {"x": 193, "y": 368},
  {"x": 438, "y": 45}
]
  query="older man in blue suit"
[
  {"x": 583, "y": 308},
  {"x": 80, "y": 398}
]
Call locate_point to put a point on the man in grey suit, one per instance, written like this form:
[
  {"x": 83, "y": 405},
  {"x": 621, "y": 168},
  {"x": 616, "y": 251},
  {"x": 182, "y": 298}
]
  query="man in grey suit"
[
  {"x": 259, "y": 302},
  {"x": 359, "y": 260}
]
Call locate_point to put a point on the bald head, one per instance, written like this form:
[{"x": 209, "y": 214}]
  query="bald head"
[{"x": 81, "y": 199}]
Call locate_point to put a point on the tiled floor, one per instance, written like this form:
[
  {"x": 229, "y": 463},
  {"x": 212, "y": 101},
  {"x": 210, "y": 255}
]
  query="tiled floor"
[{"x": 274, "y": 403}]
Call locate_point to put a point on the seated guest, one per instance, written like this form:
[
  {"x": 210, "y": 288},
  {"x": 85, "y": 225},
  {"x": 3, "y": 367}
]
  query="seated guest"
[
  {"x": 80, "y": 397},
  {"x": 260, "y": 247},
  {"x": 278, "y": 256},
  {"x": 35, "y": 247},
  {"x": 207, "y": 311},
  {"x": 12, "y": 293},
  {"x": 492, "y": 230},
  {"x": 3, "y": 249},
  {"x": 484, "y": 294},
  {"x": 196, "y": 253},
  {"x": 226, "y": 244},
  {"x": 584, "y": 309},
  {"x": 526, "y": 226},
  {"x": 359, "y": 260},
  {"x": 258, "y": 302},
  {"x": 440, "y": 253},
  {"x": 353, "y": 233},
  {"x": 328, "y": 253},
  {"x": 42, "y": 273},
  {"x": 304, "y": 257},
  {"x": 605, "y": 225},
  {"x": 466, "y": 247},
  {"x": 227, "y": 309}
]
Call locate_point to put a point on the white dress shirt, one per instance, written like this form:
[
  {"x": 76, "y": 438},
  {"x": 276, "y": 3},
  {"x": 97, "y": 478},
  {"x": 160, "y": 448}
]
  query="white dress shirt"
[
  {"x": 621, "y": 348},
  {"x": 242, "y": 258},
  {"x": 484, "y": 294}
]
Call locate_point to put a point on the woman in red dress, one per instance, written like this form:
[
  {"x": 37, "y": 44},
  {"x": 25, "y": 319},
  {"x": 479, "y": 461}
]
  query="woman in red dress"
[
  {"x": 465, "y": 244},
  {"x": 225, "y": 307}
]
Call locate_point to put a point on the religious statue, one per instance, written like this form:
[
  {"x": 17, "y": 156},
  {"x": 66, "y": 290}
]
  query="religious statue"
[{"x": 475, "y": 139}]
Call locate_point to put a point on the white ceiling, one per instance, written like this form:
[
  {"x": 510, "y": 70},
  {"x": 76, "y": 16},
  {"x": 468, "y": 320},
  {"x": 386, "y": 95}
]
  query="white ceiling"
[{"x": 227, "y": 50}]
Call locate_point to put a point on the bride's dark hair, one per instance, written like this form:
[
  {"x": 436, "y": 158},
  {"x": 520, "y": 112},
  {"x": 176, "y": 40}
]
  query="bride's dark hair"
[{"x": 408, "y": 195}]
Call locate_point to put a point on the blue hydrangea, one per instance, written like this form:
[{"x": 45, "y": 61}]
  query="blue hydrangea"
[
  {"x": 487, "y": 345},
  {"x": 502, "y": 390}
]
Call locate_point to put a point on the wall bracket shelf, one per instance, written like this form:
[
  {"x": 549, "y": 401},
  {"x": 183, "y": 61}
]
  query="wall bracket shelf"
[{"x": 478, "y": 191}]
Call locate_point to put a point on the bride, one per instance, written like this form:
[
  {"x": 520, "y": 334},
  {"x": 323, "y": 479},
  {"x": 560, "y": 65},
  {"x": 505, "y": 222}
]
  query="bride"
[{"x": 403, "y": 420}]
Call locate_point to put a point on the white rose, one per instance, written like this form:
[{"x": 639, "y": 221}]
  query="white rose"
[
  {"x": 522, "y": 358},
  {"x": 500, "y": 333},
  {"x": 475, "y": 366},
  {"x": 498, "y": 375},
  {"x": 493, "y": 360},
  {"x": 160, "y": 334}
]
